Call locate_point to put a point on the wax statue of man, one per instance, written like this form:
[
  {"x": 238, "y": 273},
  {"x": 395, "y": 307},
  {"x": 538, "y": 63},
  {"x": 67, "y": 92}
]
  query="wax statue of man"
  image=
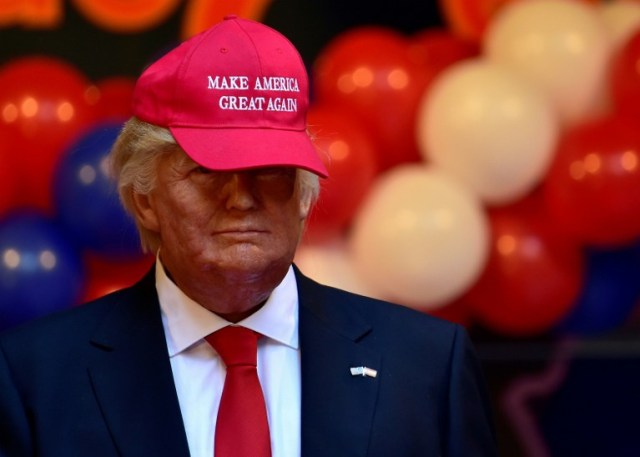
[{"x": 219, "y": 173}]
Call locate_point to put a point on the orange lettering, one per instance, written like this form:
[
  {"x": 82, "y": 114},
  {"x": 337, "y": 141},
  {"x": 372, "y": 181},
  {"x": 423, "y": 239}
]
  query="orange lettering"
[
  {"x": 202, "y": 14},
  {"x": 125, "y": 16},
  {"x": 30, "y": 13}
]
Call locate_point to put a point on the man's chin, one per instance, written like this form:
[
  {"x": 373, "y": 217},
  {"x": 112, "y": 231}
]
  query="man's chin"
[{"x": 251, "y": 266}]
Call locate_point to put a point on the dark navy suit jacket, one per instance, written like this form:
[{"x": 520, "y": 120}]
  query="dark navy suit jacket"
[{"x": 96, "y": 381}]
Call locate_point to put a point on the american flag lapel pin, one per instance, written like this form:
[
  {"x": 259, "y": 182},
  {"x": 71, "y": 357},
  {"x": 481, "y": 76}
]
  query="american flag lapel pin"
[{"x": 363, "y": 371}]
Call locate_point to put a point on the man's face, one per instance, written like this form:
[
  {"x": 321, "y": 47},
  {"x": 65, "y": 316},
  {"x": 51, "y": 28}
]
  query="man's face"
[{"x": 239, "y": 224}]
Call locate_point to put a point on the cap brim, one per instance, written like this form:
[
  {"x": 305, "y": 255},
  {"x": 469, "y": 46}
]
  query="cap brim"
[{"x": 246, "y": 148}]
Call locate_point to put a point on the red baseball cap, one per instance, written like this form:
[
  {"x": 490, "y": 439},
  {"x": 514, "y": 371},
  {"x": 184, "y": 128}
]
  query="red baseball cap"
[{"x": 234, "y": 97}]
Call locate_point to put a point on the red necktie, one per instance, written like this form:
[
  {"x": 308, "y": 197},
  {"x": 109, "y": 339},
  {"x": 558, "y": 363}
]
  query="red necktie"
[{"x": 242, "y": 428}]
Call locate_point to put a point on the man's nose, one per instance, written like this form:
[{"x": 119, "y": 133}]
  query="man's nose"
[{"x": 239, "y": 191}]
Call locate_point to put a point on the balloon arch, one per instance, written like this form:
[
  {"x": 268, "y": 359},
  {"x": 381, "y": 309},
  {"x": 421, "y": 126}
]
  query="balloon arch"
[{"x": 487, "y": 172}]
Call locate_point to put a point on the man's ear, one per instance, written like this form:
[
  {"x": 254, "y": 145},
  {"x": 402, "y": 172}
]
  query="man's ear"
[
  {"x": 145, "y": 211},
  {"x": 305, "y": 206}
]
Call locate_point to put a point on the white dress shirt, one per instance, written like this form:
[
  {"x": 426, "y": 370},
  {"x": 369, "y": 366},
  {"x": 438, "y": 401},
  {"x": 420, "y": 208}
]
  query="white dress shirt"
[{"x": 199, "y": 373}]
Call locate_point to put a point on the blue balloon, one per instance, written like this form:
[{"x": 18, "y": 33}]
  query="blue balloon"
[
  {"x": 40, "y": 269},
  {"x": 610, "y": 292},
  {"x": 86, "y": 198}
]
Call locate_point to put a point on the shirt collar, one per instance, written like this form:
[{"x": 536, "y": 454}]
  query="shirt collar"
[{"x": 186, "y": 322}]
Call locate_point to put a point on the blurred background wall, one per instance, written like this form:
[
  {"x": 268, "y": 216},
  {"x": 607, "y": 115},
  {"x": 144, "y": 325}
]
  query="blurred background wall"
[{"x": 485, "y": 168}]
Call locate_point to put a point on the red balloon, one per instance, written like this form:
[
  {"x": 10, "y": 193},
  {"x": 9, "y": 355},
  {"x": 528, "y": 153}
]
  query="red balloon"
[
  {"x": 592, "y": 189},
  {"x": 457, "y": 312},
  {"x": 9, "y": 179},
  {"x": 533, "y": 275},
  {"x": 106, "y": 276},
  {"x": 42, "y": 107},
  {"x": 625, "y": 77},
  {"x": 112, "y": 97},
  {"x": 371, "y": 71},
  {"x": 470, "y": 18},
  {"x": 350, "y": 156},
  {"x": 437, "y": 49}
]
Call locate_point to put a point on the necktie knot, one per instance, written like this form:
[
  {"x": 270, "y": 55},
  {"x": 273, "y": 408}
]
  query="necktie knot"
[{"x": 236, "y": 345}]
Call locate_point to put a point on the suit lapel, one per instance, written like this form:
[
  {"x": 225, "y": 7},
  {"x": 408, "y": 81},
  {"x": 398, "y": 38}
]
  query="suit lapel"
[
  {"x": 132, "y": 378},
  {"x": 337, "y": 407}
]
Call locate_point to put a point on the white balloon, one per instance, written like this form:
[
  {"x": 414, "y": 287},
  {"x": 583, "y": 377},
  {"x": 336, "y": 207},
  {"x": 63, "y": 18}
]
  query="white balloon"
[
  {"x": 560, "y": 45},
  {"x": 489, "y": 128},
  {"x": 420, "y": 238},
  {"x": 329, "y": 263},
  {"x": 622, "y": 19}
]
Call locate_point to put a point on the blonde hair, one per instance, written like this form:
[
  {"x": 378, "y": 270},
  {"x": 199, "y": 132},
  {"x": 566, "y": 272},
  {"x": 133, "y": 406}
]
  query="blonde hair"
[{"x": 134, "y": 163}]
